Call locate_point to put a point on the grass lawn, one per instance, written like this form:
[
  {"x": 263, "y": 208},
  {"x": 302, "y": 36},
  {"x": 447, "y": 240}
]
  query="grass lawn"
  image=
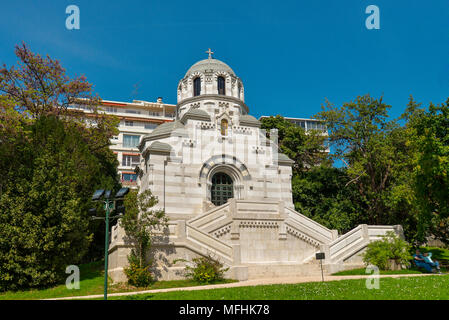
[
  {"x": 426, "y": 288},
  {"x": 411, "y": 288},
  {"x": 361, "y": 271},
  {"x": 91, "y": 282}
]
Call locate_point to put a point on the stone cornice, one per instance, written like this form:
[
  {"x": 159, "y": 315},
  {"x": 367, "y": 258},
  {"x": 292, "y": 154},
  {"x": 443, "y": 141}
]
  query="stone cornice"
[{"x": 213, "y": 97}]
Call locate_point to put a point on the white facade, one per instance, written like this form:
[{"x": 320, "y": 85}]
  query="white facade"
[{"x": 227, "y": 191}]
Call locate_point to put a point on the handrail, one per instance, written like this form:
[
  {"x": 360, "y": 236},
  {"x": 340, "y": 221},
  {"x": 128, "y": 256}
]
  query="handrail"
[
  {"x": 208, "y": 213},
  {"x": 354, "y": 244},
  {"x": 345, "y": 236},
  {"x": 322, "y": 230},
  {"x": 209, "y": 242}
]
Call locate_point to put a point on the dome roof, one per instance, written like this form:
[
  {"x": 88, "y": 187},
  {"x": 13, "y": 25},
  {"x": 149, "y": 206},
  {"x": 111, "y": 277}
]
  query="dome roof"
[
  {"x": 250, "y": 121},
  {"x": 207, "y": 64},
  {"x": 196, "y": 114}
]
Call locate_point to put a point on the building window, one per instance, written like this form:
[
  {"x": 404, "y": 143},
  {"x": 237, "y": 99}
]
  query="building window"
[
  {"x": 151, "y": 125},
  {"x": 130, "y": 160},
  {"x": 240, "y": 90},
  {"x": 154, "y": 113},
  {"x": 129, "y": 123},
  {"x": 224, "y": 127},
  {"x": 222, "y": 189},
  {"x": 130, "y": 177},
  {"x": 111, "y": 109},
  {"x": 221, "y": 85},
  {"x": 196, "y": 86},
  {"x": 130, "y": 141},
  {"x": 132, "y": 111}
]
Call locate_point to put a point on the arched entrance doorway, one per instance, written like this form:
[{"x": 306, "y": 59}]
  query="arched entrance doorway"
[{"x": 222, "y": 188}]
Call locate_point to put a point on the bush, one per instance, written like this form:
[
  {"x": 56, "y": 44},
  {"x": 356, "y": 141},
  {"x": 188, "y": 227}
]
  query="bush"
[
  {"x": 391, "y": 247},
  {"x": 206, "y": 270},
  {"x": 138, "y": 276}
]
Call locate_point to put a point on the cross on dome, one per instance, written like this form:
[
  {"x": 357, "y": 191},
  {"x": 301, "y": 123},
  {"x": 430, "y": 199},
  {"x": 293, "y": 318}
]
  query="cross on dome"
[{"x": 210, "y": 52}]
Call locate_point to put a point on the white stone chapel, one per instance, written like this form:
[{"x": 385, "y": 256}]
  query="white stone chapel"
[{"x": 227, "y": 191}]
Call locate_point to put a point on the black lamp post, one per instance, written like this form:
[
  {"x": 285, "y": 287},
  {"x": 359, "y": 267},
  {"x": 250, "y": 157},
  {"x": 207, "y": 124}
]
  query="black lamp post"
[{"x": 109, "y": 205}]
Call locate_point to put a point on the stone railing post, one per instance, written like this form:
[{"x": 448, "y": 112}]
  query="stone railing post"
[
  {"x": 181, "y": 232},
  {"x": 365, "y": 233},
  {"x": 334, "y": 234},
  {"x": 399, "y": 231},
  {"x": 236, "y": 255},
  {"x": 327, "y": 254}
]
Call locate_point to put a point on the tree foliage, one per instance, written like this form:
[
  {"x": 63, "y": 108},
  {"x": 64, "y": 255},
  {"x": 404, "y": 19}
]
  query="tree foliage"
[
  {"x": 51, "y": 161},
  {"x": 376, "y": 154},
  {"x": 322, "y": 194},
  {"x": 430, "y": 129},
  {"x": 306, "y": 150}
]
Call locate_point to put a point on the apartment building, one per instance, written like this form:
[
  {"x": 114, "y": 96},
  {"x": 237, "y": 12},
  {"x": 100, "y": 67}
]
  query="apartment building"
[{"x": 137, "y": 118}]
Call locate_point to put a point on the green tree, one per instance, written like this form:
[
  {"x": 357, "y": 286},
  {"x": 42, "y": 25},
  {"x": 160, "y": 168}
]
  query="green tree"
[
  {"x": 323, "y": 194},
  {"x": 139, "y": 222},
  {"x": 431, "y": 138},
  {"x": 375, "y": 151},
  {"x": 51, "y": 161}
]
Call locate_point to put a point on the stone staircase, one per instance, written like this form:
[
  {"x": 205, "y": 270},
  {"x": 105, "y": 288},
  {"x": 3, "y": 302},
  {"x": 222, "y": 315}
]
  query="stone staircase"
[
  {"x": 255, "y": 239},
  {"x": 341, "y": 251}
]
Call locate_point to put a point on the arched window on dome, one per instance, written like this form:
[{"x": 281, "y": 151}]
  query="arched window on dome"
[
  {"x": 196, "y": 86},
  {"x": 224, "y": 127},
  {"x": 240, "y": 90},
  {"x": 221, "y": 85}
]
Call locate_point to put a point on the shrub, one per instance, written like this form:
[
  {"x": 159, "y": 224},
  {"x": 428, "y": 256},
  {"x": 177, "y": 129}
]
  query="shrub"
[
  {"x": 206, "y": 270},
  {"x": 391, "y": 247},
  {"x": 138, "y": 276}
]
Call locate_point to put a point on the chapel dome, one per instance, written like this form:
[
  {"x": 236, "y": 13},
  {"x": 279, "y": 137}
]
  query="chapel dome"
[{"x": 209, "y": 64}]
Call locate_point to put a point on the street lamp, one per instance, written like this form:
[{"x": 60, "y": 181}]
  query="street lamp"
[{"x": 109, "y": 204}]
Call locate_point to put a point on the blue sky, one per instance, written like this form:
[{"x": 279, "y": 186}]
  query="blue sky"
[{"x": 291, "y": 55}]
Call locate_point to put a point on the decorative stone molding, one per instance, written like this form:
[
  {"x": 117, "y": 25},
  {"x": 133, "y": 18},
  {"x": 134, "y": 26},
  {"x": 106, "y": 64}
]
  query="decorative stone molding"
[
  {"x": 222, "y": 231},
  {"x": 258, "y": 149},
  {"x": 214, "y": 97},
  {"x": 239, "y": 129},
  {"x": 296, "y": 233},
  {"x": 189, "y": 143},
  {"x": 205, "y": 125},
  {"x": 258, "y": 224},
  {"x": 208, "y": 79},
  {"x": 193, "y": 76},
  {"x": 223, "y": 138},
  {"x": 223, "y": 104},
  {"x": 223, "y": 74}
]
